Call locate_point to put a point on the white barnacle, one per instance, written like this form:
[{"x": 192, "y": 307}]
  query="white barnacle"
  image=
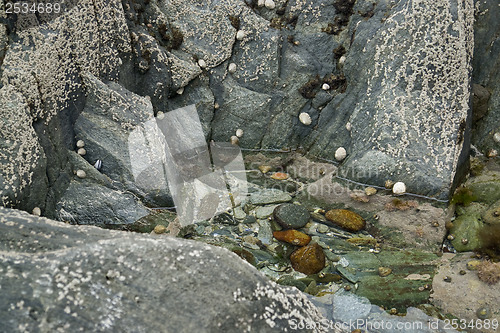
[
  {"x": 239, "y": 132},
  {"x": 496, "y": 137},
  {"x": 160, "y": 115},
  {"x": 342, "y": 60},
  {"x": 80, "y": 144},
  {"x": 81, "y": 174},
  {"x": 261, "y": 3},
  {"x": 348, "y": 126},
  {"x": 240, "y": 35},
  {"x": 305, "y": 118},
  {"x": 325, "y": 86},
  {"x": 81, "y": 151},
  {"x": 270, "y": 4},
  {"x": 202, "y": 63},
  {"x": 340, "y": 154},
  {"x": 231, "y": 68},
  {"x": 399, "y": 188},
  {"x": 36, "y": 211}
]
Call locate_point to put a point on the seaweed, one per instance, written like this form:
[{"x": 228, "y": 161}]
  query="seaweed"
[
  {"x": 308, "y": 90},
  {"x": 463, "y": 196}
]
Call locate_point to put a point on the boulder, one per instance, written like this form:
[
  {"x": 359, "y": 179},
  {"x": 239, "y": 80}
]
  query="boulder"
[{"x": 70, "y": 278}]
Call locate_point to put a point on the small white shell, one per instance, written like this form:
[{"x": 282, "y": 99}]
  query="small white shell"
[
  {"x": 342, "y": 60},
  {"x": 261, "y": 3},
  {"x": 231, "y": 68},
  {"x": 180, "y": 90},
  {"x": 98, "y": 164},
  {"x": 305, "y": 118},
  {"x": 270, "y": 4},
  {"x": 81, "y": 174},
  {"x": 399, "y": 188},
  {"x": 80, "y": 144},
  {"x": 36, "y": 211},
  {"x": 340, "y": 154},
  {"x": 81, "y": 151},
  {"x": 348, "y": 126},
  {"x": 496, "y": 137},
  {"x": 239, "y": 132},
  {"x": 202, "y": 63},
  {"x": 325, "y": 86},
  {"x": 216, "y": 106},
  {"x": 240, "y": 35},
  {"x": 235, "y": 140}
]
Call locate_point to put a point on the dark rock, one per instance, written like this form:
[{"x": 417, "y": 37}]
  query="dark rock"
[
  {"x": 309, "y": 259},
  {"x": 291, "y": 216},
  {"x": 72, "y": 273}
]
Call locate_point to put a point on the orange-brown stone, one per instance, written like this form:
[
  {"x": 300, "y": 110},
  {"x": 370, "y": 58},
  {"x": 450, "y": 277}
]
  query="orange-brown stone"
[
  {"x": 294, "y": 237},
  {"x": 279, "y": 176},
  {"x": 309, "y": 259},
  {"x": 346, "y": 219}
]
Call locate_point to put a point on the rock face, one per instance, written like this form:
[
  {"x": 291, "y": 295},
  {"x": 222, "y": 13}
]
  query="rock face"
[{"x": 56, "y": 277}]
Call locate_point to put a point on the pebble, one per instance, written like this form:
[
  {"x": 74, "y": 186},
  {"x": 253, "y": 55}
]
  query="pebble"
[
  {"x": 202, "y": 63},
  {"x": 270, "y": 4},
  {"x": 291, "y": 216},
  {"x": 264, "y": 168},
  {"x": 348, "y": 126},
  {"x": 483, "y": 313},
  {"x": 325, "y": 86},
  {"x": 240, "y": 35},
  {"x": 180, "y": 91},
  {"x": 496, "y": 137},
  {"x": 346, "y": 219},
  {"x": 231, "y": 68},
  {"x": 384, "y": 271},
  {"x": 81, "y": 151},
  {"x": 309, "y": 259},
  {"x": 239, "y": 132},
  {"x": 305, "y": 118},
  {"x": 340, "y": 154},
  {"x": 264, "y": 212},
  {"x": 399, "y": 188},
  {"x": 322, "y": 229},
  {"x": 81, "y": 174},
  {"x": 160, "y": 229},
  {"x": 249, "y": 219},
  {"x": 293, "y": 237},
  {"x": 473, "y": 265},
  {"x": 269, "y": 196},
  {"x": 234, "y": 140},
  {"x": 36, "y": 211},
  {"x": 80, "y": 144},
  {"x": 239, "y": 213},
  {"x": 279, "y": 176},
  {"x": 370, "y": 191}
]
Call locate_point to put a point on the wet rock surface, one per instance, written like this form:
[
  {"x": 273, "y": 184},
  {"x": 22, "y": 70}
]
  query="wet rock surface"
[{"x": 291, "y": 216}]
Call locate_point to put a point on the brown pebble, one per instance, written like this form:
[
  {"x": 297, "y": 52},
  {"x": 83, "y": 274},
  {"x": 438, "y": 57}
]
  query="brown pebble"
[
  {"x": 384, "y": 271},
  {"x": 346, "y": 219},
  {"x": 347, "y": 287},
  {"x": 309, "y": 259},
  {"x": 279, "y": 176},
  {"x": 293, "y": 237}
]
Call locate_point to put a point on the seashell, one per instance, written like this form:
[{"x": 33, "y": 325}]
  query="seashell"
[
  {"x": 305, "y": 118},
  {"x": 342, "y": 60},
  {"x": 348, "y": 126},
  {"x": 270, "y": 4},
  {"x": 240, "y": 35},
  {"x": 202, "y": 63},
  {"x": 36, "y": 211},
  {"x": 239, "y": 132},
  {"x": 325, "y": 86},
  {"x": 496, "y": 137},
  {"x": 98, "y": 164},
  {"x": 81, "y": 151},
  {"x": 340, "y": 154},
  {"x": 399, "y": 188},
  {"x": 231, "y": 68},
  {"x": 180, "y": 90},
  {"x": 81, "y": 174},
  {"x": 80, "y": 144}
]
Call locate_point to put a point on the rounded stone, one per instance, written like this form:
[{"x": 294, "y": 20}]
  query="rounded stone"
[
  {"x": 239, "y": 132},
  {"x": 293, "y": 237},
  {"x": 309, "y": 259},
  {"x": 399, "y": 188},
  {"x": 80, "y": 144},
  {"x": 231, "y": 68},
  {"x": 483, "y": 313},
  {"x": 234, "y": 140},
  {"x": 340, "y": 154},
  {"x": 202, "y": 63},
  {"x": 279, "y": 176},
  {"x": 81, "y": 151},
  {"x": 348, "y": 127},
  {"x": 305, "y": 118},
  {"x": 36, "y": 211},
  {"x": 346, "y": 219},
  {"x": 270, "y": 4},
  {"x": 370, "y": 190},
  {"x": 160, "y": 229},
  {"x": 240, "y": 35},
  {"x": 291, "y": 216},
  {"x": 325, "y": 86},
  {"x": 81, "y": 174}
]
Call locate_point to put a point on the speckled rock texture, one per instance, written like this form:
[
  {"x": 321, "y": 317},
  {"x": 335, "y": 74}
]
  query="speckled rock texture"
[{"x": 56, "y": 277}]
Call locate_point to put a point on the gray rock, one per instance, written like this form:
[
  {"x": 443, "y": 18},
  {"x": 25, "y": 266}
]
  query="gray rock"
[
  {"x": 264, "y": 211},
  {"x": 118, "y": 128},
  {"x": 269, "y": 196},
  {"x": 72, "y": 273},
  {"x": 486, "y": 66},
  {"x": 93, "y": 204},
  {"x": 291, "y": 216}
]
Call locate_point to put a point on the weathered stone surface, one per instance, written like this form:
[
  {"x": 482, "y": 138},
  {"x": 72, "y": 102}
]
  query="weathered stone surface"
[
  {"x": 72, "y": 273},
  {"x": 291, "y": 216}
]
